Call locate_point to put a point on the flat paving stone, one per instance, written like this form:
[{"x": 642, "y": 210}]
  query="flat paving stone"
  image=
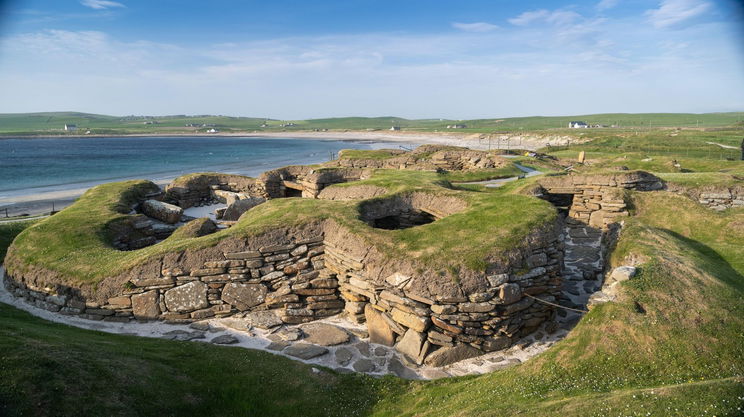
[
  {"x": 395, "y": 366},
  {"x": 364, "y": 365},
  {"x": 183, "y": 335},
  {"x": 363, "y": 348},
  {"x": 225, "y": 339},
  {"x": 305, "y": 351},
  {"x": 324, "y": 334},
  {"x": 277, "y": 346},
  {"x": 343, "y": 356}
]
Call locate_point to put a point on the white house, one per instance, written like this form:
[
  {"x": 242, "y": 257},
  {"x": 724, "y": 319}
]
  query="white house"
[
  {"x": 578, "y": 125},
  {"x": 395, "y": 128},
  {"x": 213, "y": 130},
  {"x": 70, "y": 128}
]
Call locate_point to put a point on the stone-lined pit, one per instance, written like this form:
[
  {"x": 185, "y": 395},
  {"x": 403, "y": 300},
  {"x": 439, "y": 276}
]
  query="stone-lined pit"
[{"x": 408, "y": 210}]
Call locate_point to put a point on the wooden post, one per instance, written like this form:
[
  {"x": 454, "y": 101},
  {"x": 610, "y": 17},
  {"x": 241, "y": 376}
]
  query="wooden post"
[
  {"x": 582, "y": 157},
  {"x": 742, "y": 149}
]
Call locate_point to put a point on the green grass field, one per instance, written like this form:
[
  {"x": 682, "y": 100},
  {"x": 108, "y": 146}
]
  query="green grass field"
[
  {"x": 52, "y": 123},
  {"x": 681, "y": 354},
  {"x": 671, "y": 345}
]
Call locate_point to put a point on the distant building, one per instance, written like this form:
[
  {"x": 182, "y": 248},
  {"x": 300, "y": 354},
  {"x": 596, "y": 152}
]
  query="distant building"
[
  {"x": 578, "y": 125},
  {"x": 213, "y": 130},
  {"x": 457, "y": 126},
  {"x": 70, "y": 128},
  {"x": 395, "y": 128}
]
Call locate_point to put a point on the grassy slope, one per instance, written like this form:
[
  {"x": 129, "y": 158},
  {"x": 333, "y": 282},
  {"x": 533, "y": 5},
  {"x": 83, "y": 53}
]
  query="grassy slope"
[
  {"x": 52, "y": 123},
  {"x": 8, "y": 232},
  {"x": 672, "y": 346},
  {"x": 74, "y": 241},
  {"x": 49, "y": 369},
  {"x": 686, "y": 333}
]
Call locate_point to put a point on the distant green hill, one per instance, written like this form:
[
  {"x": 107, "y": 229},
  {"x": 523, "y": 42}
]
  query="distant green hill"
[{"x": 53, "y": 123}]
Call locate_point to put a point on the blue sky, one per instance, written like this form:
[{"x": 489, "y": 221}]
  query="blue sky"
[{"x": 409, "y": 58}]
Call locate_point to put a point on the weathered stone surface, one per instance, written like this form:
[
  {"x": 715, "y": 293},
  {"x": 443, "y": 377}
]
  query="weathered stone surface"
[
  {"x": 305, "y": 351},
  {"x": 145, "y": 305},
  {"x": 449, "y": 355},
  {"x": 225, "y": 339},
  {"x": 186, "y": 298},
  {"x": 251, "y": 254},
  {"x": 443, "y": 309},
  {"x": 122, "y": 301},
  {"x": 263, "y": 319},
  {"x": 395, "y": 366},
  {"x": 379, "y": 330},
  {"x": 324, "y": 334},
  {"x": 343, "y": 356},
  {"x": 410, "y": 344},
  {"x": 622, "y": 273},
  {"x": 236, "y": 209},
  {"x": 165, "y": 212},
  {"x": 475, "y": 307},
  {"x": 183, "y": 335},
  {"x": 410, "y": 320},
  {"x": 364, "y": 365},
  {"x": 446, "y": 326},
  {"x": 510, "y": 293},
  {"x": 244, "y": 296},
  {"x": 398, "y": 280},
  {"x": 496, "y": 343}
]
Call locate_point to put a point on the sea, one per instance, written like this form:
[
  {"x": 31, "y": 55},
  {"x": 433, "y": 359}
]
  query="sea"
[{"x": 41, "y": 165}]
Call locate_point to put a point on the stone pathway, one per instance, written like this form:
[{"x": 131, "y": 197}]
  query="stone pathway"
[{"x": 582, "y": 271}]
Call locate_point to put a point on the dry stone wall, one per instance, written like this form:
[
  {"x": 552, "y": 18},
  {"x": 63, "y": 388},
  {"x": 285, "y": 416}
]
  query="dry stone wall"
[
  {"x": 716, "y": 198},
  {"x": 288, "y": 278},
  {"x": 440, "y": 329},
  {"x": 597, "y": 200}
]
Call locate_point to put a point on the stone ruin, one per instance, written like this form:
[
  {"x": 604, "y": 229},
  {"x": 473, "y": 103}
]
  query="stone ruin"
[{"x": 304, "y": 273}]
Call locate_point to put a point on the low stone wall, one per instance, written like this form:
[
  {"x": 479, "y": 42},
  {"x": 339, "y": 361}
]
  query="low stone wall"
[
  {"x": 199, "y": 189},
  {"x": 719, "y": 198},
  {"x": 597, "y": 200},
  {"x": 289, "y": 278},
  {"x": 307, "y": 180},
  {"x": 428, "y": 158},
  {"x": 442, "y": 329}
]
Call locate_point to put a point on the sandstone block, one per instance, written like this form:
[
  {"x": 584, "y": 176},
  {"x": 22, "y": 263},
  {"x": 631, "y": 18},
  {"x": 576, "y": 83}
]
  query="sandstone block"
[
  {"x": 510, "y": 293},
  {"x": 145, "y": 305},
  {"x": 411, "y": 344},
  {"x": 379, "y": 330},
  {"x": 187, "y": 298},
  {"x": 165, "y": 212},
  {"x": 449, "y": 355},
  {"x": 409, "y": 320},
  {"x": 244, "y": 296},
  {"x": 325, "y": 334}
]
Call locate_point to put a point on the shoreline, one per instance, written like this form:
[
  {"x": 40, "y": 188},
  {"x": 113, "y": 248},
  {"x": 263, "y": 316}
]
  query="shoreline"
[{"x": 42, "y": 202}]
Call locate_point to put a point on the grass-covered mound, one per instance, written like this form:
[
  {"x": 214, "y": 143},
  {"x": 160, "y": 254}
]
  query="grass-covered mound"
[
  {"x": 672, "y": 345},
  {"x": 76, "y": 242}
]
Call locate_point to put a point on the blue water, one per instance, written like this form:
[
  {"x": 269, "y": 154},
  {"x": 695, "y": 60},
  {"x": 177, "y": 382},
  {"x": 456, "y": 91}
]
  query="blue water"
[{"x": 39, "y": 165}]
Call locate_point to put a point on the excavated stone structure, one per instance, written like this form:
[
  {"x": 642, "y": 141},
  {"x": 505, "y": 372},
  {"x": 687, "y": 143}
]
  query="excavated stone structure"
[{"x": 303, "y": 273}]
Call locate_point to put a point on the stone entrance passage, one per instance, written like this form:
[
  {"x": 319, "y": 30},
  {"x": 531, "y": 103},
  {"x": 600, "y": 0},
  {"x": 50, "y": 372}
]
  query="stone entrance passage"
[{"x": 591, "y": 208}]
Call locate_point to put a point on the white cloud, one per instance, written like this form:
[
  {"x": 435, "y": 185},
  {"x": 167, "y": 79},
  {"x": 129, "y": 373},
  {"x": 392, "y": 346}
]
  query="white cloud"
[
  {"x": 607, "y": 4},
  {"x": 478, "y": 27},
  {"x": 101, "y": 4},
  {"x": 556, "y": 17},
  {"x": 672, "y": 12},
  {"x": 539, "y": 68}
]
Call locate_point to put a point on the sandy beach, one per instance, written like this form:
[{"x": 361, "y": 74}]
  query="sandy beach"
[{"x": 45, "y": 202}]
